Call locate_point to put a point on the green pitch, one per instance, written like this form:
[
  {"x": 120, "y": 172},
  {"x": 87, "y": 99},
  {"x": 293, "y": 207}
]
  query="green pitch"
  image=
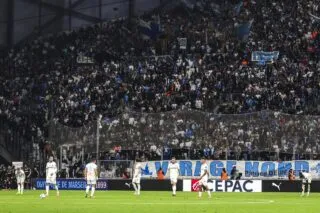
[{"x": 157, "y": 202}]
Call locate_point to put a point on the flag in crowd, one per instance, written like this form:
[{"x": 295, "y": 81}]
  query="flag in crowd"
[
  {"x": 182, "y": 43},
  {"x": 189, "y": 3},
  {"x": 314, "y": 17},
  {"x": 243, "y": 30},
  {"x": 262, "y": 57},
  {"x": 151, "y": 29},
  {"x": 238, "y": 7}
]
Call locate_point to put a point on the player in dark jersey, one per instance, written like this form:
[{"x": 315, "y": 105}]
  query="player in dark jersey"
[{"x": 27, "y": 172}]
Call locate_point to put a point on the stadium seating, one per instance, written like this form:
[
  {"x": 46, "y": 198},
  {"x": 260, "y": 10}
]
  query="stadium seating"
[{"x": 72, "y": 77}]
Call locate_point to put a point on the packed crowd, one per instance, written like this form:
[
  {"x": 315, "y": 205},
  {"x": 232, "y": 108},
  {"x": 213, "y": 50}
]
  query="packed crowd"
[
  {"x": 8, "y": 179},
  {"x": 190, "y": 134},
  {"x": 42, "y": 81},
  {"x": 112, "y": 165}
]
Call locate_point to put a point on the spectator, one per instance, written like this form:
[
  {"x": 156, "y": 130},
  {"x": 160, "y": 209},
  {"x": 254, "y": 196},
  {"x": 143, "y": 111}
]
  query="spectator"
[
  {"x": 126, "y": 174},
  {"x": 160, "y": 174},
  {"x": 234, "y": 173},
  {"x": 224, "y": 174}
]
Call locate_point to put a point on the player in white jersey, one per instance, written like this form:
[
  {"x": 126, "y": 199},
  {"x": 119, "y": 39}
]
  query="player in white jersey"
[
  {"x": 204, "y": 176},
  {"x": 174, "y": 171},
  {"x": 306, "y": 180},
  {"x": 91, "y": 175},
  {"x": 137, "y": 177},
  {"x": 51, "y": 176},
  {"x": 20, "y": 180}
]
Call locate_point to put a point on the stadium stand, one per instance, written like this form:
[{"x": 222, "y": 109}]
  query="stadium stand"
[{"x": 181, "y": 81}]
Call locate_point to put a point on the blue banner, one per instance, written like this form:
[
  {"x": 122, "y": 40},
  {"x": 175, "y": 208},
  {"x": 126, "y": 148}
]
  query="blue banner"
[
  {"x": 71, "y": 184},
  {"x": 150, "y": 30},
  {"x": 263, "y": 57},
  {"x": 249, "y": 169}
]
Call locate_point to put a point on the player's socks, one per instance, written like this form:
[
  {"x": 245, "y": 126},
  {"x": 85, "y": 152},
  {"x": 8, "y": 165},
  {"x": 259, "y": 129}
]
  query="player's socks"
[
  {"x": 47, "y": 190},
  {"x": 200, "y": 194},
  {"x": 135, "y": 188},
  {"x": 209, "y": 193},
  {"x": 21, "y": 189},
  {"x": 92, "y": 190},
  {"x": 87, "y": 190},
  {"x": 58, "y": 193},
  {"x": 303, "y": 189},
  {"x": 174, "y": 189},
  {"x": 138, "y": 192}
]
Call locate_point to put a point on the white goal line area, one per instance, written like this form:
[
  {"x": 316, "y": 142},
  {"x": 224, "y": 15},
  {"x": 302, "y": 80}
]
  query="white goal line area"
[{"x": 203, "y": 201}]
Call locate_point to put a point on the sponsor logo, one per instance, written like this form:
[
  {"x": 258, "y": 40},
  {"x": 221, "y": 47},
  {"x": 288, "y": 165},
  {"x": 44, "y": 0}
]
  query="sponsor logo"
[
  {"x": 229, "y": 185},
  {"x": 195, "y": 185},
  {"x": 276, "y": 186},
  {"x": 72, "y": 184}
]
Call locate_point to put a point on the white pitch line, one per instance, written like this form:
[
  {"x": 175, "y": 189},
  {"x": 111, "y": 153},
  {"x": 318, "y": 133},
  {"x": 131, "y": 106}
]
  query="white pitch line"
[{"x": 163, "y": 203}]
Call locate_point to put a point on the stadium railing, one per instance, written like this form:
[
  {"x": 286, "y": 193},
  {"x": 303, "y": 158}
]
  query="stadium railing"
[{"x": 190, "y": 134}]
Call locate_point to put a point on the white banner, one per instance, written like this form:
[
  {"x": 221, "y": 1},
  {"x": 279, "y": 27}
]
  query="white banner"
[
  {"x": 17, "y": 164},
  {"x": 226, "y": 186},
  {"x": 82, "y": 59},
  {"x": 248, "y": 169},
  {"x": 183, "y": 43}
]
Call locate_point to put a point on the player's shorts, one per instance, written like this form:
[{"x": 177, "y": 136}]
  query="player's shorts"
[
  {"x": 51, "y": 179},
  {"x": 91, "y": 181},
  {"x": 203, "y": 182},
  {"x": 174, "y": 179},
  {"x": 136, "y": 179},
  {"x": 20, "y": 180},
  {"x": 306, "y": 181}
]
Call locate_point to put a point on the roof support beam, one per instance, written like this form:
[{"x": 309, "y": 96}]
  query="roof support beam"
[
  {"x": 66, "y": 11},
  {"x": 10, "y": 22},
  {"x": 60, "y": 13}
]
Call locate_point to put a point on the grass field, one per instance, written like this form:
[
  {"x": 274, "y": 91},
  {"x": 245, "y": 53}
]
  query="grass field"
[{"x": 157, "y": 202}]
